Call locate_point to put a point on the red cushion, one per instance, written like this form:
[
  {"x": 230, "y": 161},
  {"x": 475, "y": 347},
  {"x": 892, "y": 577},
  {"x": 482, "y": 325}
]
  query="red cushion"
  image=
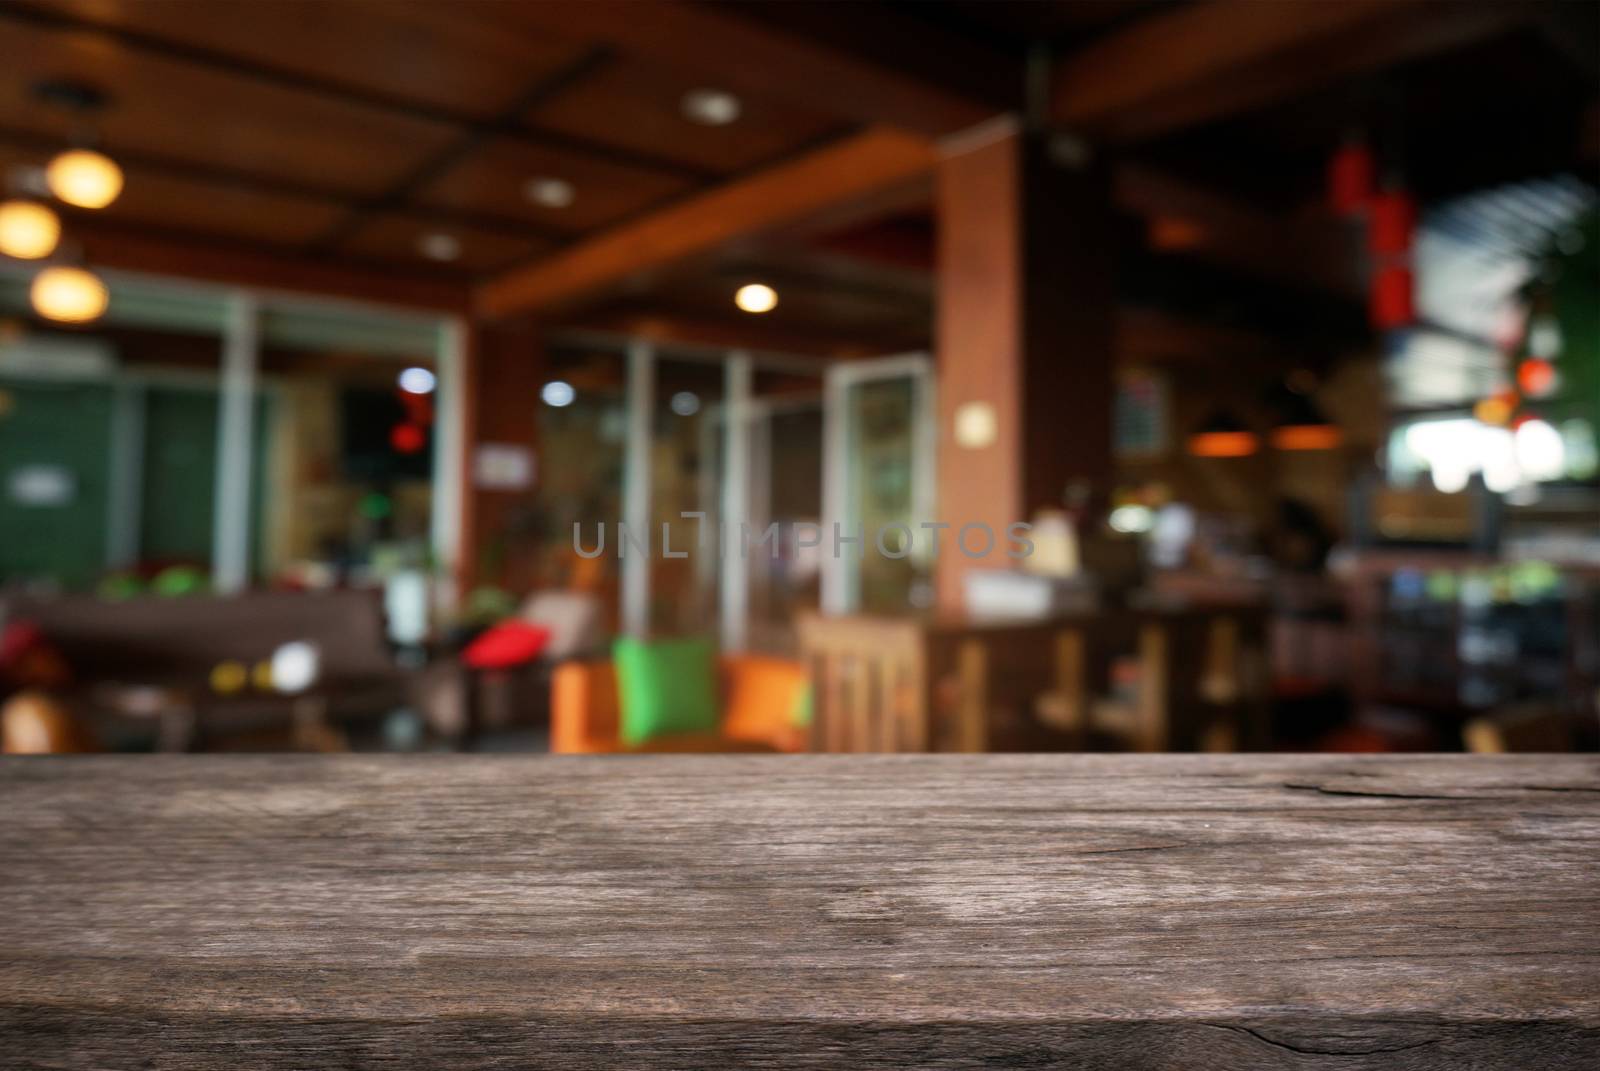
[
  {"x": 16, "y": 638},
  {"x": 28, "y": 659},
  {"x": 510, "y": 643}
]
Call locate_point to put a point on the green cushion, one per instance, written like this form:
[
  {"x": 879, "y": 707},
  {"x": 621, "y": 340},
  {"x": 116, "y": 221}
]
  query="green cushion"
[
  {"x": 800, "y": 716},
  {"x": 666, "y": 686}
]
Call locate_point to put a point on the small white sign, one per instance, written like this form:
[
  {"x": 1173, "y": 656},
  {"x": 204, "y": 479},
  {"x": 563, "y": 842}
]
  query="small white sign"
[
  {"x": 41, "y": 485},
  {"x": 503, "y": 467}
]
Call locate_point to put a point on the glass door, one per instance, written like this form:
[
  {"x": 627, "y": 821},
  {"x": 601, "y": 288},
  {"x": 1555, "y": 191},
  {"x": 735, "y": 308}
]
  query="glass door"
[{"x": 878, "y": 478}]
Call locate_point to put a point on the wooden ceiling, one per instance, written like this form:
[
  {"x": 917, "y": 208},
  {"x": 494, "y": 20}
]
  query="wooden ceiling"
[
  {"x": 350, "y": 129},
  {"x": 291, "y": 141}
]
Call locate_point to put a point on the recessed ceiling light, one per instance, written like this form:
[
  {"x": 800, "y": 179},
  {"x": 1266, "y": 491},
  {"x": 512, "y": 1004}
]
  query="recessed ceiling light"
[
  {"x": 711, "y": 107},
  {"x": 756, "y": 297},
  {"x": 439, "y": 246},
  {"x": 558, "y": 393},
  {"x": 549, "y": 192},
  {"x": 417, "y": 380}
]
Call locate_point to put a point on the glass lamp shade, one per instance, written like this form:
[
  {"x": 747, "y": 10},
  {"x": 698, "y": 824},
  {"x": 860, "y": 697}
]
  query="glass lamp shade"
[
  {"x": 28, "y": 230},
  {"x": 1223, "y": 436},
  {"x": 84, "y": 178},
  {"x": 69, "y": 295},
  {"x": 1303, "y": 426},
  {"x": 1306, "y": 437}
]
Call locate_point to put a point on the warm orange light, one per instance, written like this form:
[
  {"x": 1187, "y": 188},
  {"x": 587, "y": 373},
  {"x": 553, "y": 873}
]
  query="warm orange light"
[
  {"x": 28, "y": 231},
  {"x": 1495, "y": 409},
  {"x": 69, "y": 295},
  {"x": 1536, "y": 376},
  {"x": 1173, "y": 234},
  {"x": 1223, "y": 444},
  {"x": 1307, "y": 437},
  {"x": 84, "y": 178}
]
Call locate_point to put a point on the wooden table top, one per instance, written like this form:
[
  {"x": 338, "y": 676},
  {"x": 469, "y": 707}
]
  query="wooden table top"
[{"x": 1045, "y": 911}]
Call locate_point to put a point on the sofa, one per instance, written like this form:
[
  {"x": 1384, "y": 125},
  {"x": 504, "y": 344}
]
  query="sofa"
[
  {"x": 175, "y": 643},
  {"x": 762, "y": 707}
]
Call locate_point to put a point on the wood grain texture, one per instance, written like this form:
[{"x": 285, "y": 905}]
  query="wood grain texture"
[
  {"x": 1192, "y": 912},
  {"x": 783, "y": 194}
]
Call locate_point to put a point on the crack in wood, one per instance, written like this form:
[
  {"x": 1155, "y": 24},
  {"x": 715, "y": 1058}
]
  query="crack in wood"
[
  {"x": 1323, "y": 790},
  {"x": 1303, "y": 1051}
]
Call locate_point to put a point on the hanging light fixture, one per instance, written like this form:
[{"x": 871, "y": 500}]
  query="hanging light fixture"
[
  {"x": 81, "y": 176},
  {"x": 28, "y": 230},
  {"x": 1391, "y": 233},
  {"x": 69, "y": 295},
  {"x": 84, "y": 178},
  {"x": 1223, "y": 435},
  {"x": 1303, "y": 426}
]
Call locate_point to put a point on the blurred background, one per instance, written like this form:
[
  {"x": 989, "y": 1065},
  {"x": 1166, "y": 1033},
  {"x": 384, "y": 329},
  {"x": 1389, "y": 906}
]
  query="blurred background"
[{"x": 322, "y": 327}]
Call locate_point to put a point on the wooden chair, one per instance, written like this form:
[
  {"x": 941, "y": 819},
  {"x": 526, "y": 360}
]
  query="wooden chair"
[{"x": 870, "y": 689}]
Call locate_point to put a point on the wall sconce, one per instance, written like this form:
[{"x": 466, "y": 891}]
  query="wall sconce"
[{"x": 976, "y": 425}]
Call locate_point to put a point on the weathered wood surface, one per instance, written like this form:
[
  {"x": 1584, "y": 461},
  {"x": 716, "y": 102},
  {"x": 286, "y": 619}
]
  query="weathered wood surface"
[{"x": 1193, "y": 912}]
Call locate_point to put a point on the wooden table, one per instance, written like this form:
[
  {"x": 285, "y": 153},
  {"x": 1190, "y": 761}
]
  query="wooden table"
[
  {"x": 1194, "y": 912},
  {"x": 959, "y": 683}
]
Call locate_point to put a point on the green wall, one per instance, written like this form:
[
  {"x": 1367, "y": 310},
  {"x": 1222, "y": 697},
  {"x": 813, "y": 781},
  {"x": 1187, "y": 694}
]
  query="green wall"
[
  {"x": 57, "y": 424},
  {"x": 69, "y": 425}
]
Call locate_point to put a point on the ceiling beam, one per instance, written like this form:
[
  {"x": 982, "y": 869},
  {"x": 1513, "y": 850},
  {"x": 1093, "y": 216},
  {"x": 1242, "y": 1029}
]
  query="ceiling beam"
[
  {"x": 668, "y": 327},
  {"x": 1196, "y": 63},
  {"x": 126, "y": 248},
  {"x": 786, "y": 193},
  {"x": 743, "y": 55},
  {"x": 1145, "y": 338}
]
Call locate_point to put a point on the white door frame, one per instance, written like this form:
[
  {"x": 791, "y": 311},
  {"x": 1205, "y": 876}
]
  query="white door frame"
[{"x": 841, "y": 574}]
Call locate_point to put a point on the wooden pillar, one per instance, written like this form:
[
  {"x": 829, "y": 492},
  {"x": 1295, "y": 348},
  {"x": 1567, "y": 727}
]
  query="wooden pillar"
[
  {"x": 505, "y": 370},
  {"x": 1025, "y": 335}
]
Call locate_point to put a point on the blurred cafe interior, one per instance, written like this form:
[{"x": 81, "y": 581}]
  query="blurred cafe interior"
[{"x": 1108, "y": 375}]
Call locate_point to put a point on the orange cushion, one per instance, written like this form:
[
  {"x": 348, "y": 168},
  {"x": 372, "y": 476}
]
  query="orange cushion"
[
  {"x": 762, "y": 698},
  {"x": 583, "y": 708}
]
